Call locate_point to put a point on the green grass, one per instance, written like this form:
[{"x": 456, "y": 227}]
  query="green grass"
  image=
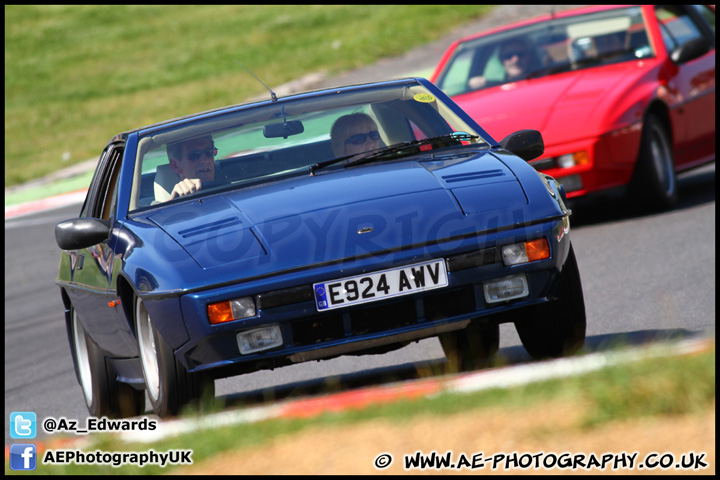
[
  {"x": 77, "y": 75},
  {"x": 661, "y": 388}
]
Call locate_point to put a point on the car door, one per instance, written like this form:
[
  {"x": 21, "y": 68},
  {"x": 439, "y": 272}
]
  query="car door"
[
  {"x": 92, "y": 268},
  {"x": 693, "y": 81}
]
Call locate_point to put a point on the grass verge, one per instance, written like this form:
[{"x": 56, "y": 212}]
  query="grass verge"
[
  {"x": 77, "y": 75},
  {"x": 655, "y": 388}
]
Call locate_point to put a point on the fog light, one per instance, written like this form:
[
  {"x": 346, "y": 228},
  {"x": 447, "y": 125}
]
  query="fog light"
[
  {"x": 505, "y": 289},
  {"x": 229, "y": 310},
  {"x": 571, "y": 183},
  {"x": 259, "y": 339}
]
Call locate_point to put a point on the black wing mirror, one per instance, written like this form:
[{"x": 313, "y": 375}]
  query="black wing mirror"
[
  {"x": 690, "y": 50},
  {"x": 80, "y": 233},
  {"x": 526, "y": 144}
]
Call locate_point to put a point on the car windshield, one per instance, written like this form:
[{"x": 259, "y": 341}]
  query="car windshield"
[
  {"x": 306, "y": 134},
  {"x": 550, "y": 47}
]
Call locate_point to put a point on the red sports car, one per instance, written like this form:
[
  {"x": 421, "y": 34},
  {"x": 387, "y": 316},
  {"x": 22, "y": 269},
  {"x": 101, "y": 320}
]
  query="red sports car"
[{"x": 624, "y": 95}]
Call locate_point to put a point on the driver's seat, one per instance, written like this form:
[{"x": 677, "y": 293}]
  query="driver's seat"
[{"x": 165, "y": 181}]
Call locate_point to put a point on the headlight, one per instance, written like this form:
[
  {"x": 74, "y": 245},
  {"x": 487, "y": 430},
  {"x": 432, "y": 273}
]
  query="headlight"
[
  {"x": 525, "y": 252},
  {"x": 572, "y": 159},
  {"x": 561, "y": 188},
  {"x": 546, "y": 179},
  {"x": 229, "y": 310}
]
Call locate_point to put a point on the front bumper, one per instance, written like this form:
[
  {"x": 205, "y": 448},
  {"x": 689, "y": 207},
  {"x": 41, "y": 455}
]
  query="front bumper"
[
  {"x": 609, "y": 161},
  {"x": 379, "y": 326}
]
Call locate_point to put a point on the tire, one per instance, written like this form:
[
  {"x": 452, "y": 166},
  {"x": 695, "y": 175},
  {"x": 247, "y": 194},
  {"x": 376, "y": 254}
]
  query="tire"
[
  {"x": 654, "y": 182},
  {"x": 472, "y": 347},
  {"x": 104, "y": 395},
  {"x": 556, "y": 328},
  {"x": 170, "y": 387}
]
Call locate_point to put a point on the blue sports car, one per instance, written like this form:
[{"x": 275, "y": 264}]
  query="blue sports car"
[{"x": 344, "y": 221}]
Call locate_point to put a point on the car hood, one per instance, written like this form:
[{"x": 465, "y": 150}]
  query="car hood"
[
  {"x": 344, "y": 214},
  {"x": 564, "y": 107}
]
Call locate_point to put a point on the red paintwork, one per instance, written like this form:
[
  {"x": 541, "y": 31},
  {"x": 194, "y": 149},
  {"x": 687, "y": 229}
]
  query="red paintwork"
[{"x": 601, "y": 109}]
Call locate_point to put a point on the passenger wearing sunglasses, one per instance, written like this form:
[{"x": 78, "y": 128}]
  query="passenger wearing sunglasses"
[
  {"x": 354, "y": 133},
  {"x": 194, "y": 162},
  {"x": 515, "y": 58}
]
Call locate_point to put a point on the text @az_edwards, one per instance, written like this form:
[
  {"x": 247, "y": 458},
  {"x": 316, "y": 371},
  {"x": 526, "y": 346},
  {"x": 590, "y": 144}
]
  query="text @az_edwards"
[{"x": 93, "y": 424}]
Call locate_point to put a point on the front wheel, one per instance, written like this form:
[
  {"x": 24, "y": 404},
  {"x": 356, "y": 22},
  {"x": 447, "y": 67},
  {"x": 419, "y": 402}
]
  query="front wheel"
[
  {"x": 104, "y": 395},
  {"x": 169, "y": 385},
  {"x": 556, "y": 328},
  {"x": 472, "y": 347},
  {"x": 654, "y": 183}
]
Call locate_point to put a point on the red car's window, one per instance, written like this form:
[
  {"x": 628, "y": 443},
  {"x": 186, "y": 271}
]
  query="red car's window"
[
  {"x": 547, "y": 48},
  {"x": 676, "y": 25}
]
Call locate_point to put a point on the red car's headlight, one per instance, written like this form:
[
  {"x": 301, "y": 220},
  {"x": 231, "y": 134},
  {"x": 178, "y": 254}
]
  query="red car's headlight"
[{"x": 573, "y": 159}]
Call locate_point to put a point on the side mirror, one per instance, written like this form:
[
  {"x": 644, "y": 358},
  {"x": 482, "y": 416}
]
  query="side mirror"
[
  {"x": 690, "y": 50},
  {"x": 80, "y": 233},
  {"x": 526, "y": 144},
  {"x": 284, "y": 129}
]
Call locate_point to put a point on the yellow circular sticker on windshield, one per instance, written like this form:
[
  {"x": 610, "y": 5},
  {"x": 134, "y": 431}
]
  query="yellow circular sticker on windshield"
[{"x": 424, "y": 97}]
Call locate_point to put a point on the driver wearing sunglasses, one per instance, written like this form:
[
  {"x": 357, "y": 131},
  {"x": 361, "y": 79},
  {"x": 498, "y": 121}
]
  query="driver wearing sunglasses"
[
  {"x": 515, "y": 58},
  {"x": 194, "y": 162},
  {"x": 355, "y": 133}
]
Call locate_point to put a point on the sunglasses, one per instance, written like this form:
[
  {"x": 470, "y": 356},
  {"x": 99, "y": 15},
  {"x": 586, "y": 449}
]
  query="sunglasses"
[
  {"x": 360, "y": 138},
  {"x": 195, "y": 155},
  {"x": 514, "y": 53}
]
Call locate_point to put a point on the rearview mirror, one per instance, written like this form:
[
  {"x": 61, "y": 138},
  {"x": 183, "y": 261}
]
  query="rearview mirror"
[
  {"x": 284, "y": 129},
  {"x": 526, "y": 144}
]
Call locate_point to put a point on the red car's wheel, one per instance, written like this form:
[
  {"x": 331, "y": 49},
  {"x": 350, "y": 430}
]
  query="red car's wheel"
[{"x": 654, "y": 183}]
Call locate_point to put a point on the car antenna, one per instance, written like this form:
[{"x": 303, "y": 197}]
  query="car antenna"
[{"x": 272, "y": 94}]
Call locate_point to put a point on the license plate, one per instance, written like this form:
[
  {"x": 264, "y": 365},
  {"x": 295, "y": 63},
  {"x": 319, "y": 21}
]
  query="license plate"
[{"x": 372, "y": 287}]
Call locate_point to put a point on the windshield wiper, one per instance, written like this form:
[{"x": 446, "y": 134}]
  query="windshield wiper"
[
  {"x": 396, "y": 149},
  {"x": 333, "y": 161},
  {"x": 413, "y": 147}
]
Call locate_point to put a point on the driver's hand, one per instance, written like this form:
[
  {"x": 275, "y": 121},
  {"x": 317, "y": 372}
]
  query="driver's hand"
[
  {"x": 186, "y": 187},
  {"x": 477, "y": 82}
]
